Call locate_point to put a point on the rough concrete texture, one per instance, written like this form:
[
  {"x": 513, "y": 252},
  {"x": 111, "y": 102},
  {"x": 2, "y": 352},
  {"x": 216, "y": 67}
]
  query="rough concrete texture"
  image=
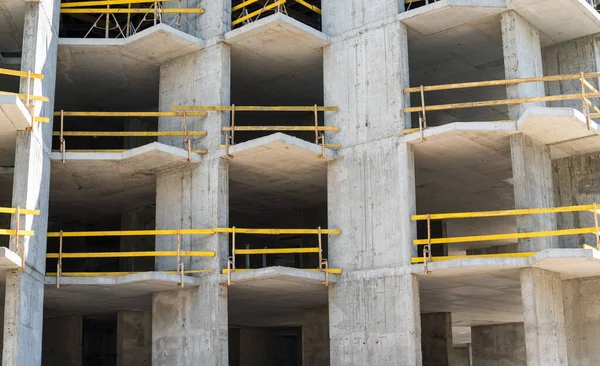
[
  {"x": 201, "y": 78},
  {"x": 522, "y": 58},
  {"x": 193, "y": 198},
  {"x": 315, "y": 337},
  {"x": 382, "y": 327},
  {"x": 572, "y": 57},
  {"x": 134, "y": 338},
  {"x": 24, "y": 296},
  {"x": 532, "y": 179},
  {"x": 436, "y": 339},
  {"x": 499, "y": 345},
  {"x": 576, "y": 183},
  {"x": 62, "y": 341},
  {"x": 542, "y": 296},
  {"x": 460, "y": 356},
  {"x": 582, "y": 320},
  {"x": 342, "y": 16},
  {"x": 189, "y": 326},
  {"x": 140, "y": 219},
  {"x": 257, "y": 347}
]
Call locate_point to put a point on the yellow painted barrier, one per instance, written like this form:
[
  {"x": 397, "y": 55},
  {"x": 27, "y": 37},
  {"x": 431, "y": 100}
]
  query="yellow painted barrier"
[
  {"x": 23, "y": 74},
  {"x": 237, "y": 108},
  {"x": 130, "y": 114},
  {"x": 119, "y": 274},
  {"x": 129, "y": 133},
  {"x": 131, "y": 254},
  {"x": 71, "y": 234},
  {"x": 108, "y": 2},
  {"x": 277, "y": 231},
  {"x": 450, "y": 257},
  {"x": 478, "y": 214},
  {"x": 132, "y": 11},
  {"x": 278, "y": 251},
  {"x": 328, "y": 270}
]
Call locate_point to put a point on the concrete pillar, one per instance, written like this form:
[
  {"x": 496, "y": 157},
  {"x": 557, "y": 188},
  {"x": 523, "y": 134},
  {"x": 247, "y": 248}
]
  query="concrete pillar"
[
  {"x": 436, "y": 339},
  {"x": 189, "y": 326},
  {"x": 134, "y": 338},
  {"x": 63, "y": 341},
  {"x": 582, "y": 320},
  {"x": 257, "y": 347},
  {"x": 24, "y": 294},
  {"x": 461, "y": 355},
  {"x": 374, "y": 308},
  {"x": 140, "y": 219},
  {"x": 499, "y": 345},
  {"x": 541, "y": 292},
  {"x": 532, "y": 180},
  {"x": 522, "y": 58},
  {"x": 315, "y": 337},
  {"x": 576, "y": 183}
]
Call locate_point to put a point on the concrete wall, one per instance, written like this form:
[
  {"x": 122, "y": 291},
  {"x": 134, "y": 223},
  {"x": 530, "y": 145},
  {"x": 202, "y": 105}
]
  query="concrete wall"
[
  {"x": 134, "y": 338},
  {"x": 460, "y": 356},
  {"x": 315, "y": 337},
  {"x": 499, "y": 345},
  {"x": 572, "y": 57},
  {"x": 576, "y": 183},
  {"x": 582, "y": 320},
  {"x": 257, "y": 347},
  {"x": 436, "y": 339},
  {"x": 63, "y": 341}
]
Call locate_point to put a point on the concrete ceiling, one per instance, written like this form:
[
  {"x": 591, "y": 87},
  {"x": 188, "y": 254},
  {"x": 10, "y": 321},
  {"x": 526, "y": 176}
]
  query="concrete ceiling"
[{"x": 12, "y": 19}]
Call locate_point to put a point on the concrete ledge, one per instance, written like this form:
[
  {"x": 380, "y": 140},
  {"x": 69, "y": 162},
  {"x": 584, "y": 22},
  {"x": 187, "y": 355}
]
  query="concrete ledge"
[
  {"x": 570, "y": 263},
  {"x": 144, "y": 281},
  {"x": 455, "y": 128},
  {"x": 277, "y": 28},
  {"x": 277, "y": 145},
  {"x": 13, "y": 115},
  {"x": 9, "y": 260},
  {"x": 157, "y": 44},
  {"x": 280, "y": 274}
]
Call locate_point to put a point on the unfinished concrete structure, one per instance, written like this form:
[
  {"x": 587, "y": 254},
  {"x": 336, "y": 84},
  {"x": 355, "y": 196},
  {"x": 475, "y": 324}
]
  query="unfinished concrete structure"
[{"x": 218, "y": 182}]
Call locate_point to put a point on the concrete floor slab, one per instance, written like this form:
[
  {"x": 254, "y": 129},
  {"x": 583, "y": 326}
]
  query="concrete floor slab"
[
  {"x": 101, "y": 295},
  {"x": 9, "y": 260},
  {"x": 275, "y": 172},
  {"x": 274, "y": 296},
  {"x": 91, "y": 184},
  {"x": 13, "y": 117}
]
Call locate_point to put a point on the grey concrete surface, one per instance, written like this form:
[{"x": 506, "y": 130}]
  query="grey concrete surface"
[
  {"x": 134, "y": 338},
  {"x": 315, "y": 337},
  {"x": 499, "y": 345},
  {"x": 543, "y": 314},
  {"x": 62, "y": 341},
  {"x": 461, "y": 356},
  {"x": 436, "y": 339}
]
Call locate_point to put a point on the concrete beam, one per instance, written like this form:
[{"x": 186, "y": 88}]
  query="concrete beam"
[
  {"x": 134, "y": 338},
  {"x": 499, "y": 345}
]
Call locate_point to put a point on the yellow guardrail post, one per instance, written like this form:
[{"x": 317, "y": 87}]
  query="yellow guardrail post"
[
  {"x": 62, "y": 136},
  {"x": 180, "y": 265},
  {"x": 59, "y": 263},
  {"x": 596, "y": 226}
]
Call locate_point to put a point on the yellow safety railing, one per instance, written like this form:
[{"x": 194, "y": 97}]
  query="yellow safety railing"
[
  {"x": 587, "y": 91},
  {"x": 429, "y": 241},
  {"x": 185, "y": 134},
  {"x": 229, "y": 131},
  {"x": 18, "y": 232},
  {"x": 151, "y": 10},
  {"x": 28, "y": 97},
  {"x": 277, "y": 6},
  {"x": 178, "y": 253},
  {"x": 319, "y": 232}
]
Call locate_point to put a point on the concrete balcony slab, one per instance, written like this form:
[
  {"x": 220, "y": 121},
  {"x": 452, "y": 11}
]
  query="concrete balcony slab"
[
  {"x": 9, "y": 260},
  {"x": 97, "y": 183},
  {"x": 270, "y": 296},
  {"x": 275, "y": 168},
  {"x": 13, "y": 117},
  {"x": 95, "y": 295}
]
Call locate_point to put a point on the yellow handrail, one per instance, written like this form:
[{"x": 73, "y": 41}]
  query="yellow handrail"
[{"x": 275, "y": 4}]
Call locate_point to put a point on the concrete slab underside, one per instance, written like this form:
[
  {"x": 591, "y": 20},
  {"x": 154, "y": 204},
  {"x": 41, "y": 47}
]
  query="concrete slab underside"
[
  {"x": 13, "y": 117},
  {"x": 90, "y": 185},
  {"x": 275, "y": 172}
]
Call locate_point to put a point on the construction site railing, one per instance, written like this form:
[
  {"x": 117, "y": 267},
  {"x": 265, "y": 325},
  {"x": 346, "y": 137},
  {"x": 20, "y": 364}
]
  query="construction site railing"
[
  {"x": 277, "y": 6},
  {"x": 107, "y": 10},
  {"x": 28, "y": 97},
  {"x": 185, "y": 133},
  {"x": 179, "y": 253},
  {"x": 18, "y": 232},
  {"x": 319, "y": 232},
  {"x": 229, "y": 131},
  {"x": 429, "y": 241},
  {"x": 587, "y": 91}
]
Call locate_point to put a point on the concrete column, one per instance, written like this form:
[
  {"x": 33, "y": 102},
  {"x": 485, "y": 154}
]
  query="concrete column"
[
  {"x": 522, "y": 58},
  {"x": 499, "y": 345},
  {"x": 582, "y": 320},
  {"x": 532, "y": 179},
  {"x": 436, "y": 339},
  {"x": 134, "y": 338},
  {"x": 63, "y": 341},
  {"x": 140, "y": 219},
  {"x": 315, "y": 337},
  {"x": 189, "y": 326},
  {"x": 24, "y": 294},
  {"x": 257, "y": 347},
  {"x": 461, "y": 356},
  {"x": 542, "y": 296}
]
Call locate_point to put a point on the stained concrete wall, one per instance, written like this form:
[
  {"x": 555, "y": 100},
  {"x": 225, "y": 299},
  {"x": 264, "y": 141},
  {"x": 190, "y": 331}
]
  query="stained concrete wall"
[
  {"x": 189, "y": 326},
  {"x": 315, "y": 337},
  {"x": 572, "y": 57},
  {"x": 460, "y": 356},
  {"x": 582, "y": 320},
  {"x": 436, "y": 339},
  {"x": 63, "y": 341},
  {"x": 134, "y": 338},
  {"x": 576, "y": 183},
  {"x": 499, "y": 345},
  {"x": 257, "y": 347}
]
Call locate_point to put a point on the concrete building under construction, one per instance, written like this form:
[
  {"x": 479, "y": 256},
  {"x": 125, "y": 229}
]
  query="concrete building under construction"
[{"x": 299, "y": 182}]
